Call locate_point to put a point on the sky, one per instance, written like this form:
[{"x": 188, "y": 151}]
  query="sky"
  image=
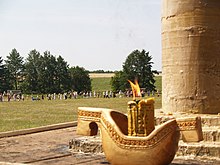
[{"x": 94, "y": 34}]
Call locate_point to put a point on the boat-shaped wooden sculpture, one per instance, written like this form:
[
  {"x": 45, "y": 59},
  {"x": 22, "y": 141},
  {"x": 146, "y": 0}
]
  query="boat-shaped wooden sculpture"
[
  {"x": 157, "y": 148},
  {"x": 133, "y": 139}
]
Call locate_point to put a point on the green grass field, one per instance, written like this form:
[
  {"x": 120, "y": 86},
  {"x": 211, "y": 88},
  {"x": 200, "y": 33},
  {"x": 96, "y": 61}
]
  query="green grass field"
[
  {"x": 101, "y": 84},
  {"x": 17, "y": 115}
]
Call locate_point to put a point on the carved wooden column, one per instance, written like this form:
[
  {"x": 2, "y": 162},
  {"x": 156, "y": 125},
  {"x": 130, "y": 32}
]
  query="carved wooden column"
[{"x": 191, "y": 56}]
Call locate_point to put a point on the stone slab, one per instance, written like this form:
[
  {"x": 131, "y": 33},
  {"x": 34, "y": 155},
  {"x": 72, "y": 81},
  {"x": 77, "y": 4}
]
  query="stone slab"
[
  {"x": 191, "y": 129},
  {"x": 210, "y": 123},
  {"x": 211, "y": 134},
  {"x": 202, "y": 149},
  {"x": 206, "y": 120}
]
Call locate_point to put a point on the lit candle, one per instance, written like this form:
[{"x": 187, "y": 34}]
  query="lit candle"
[{"x": 140, "y": 114}]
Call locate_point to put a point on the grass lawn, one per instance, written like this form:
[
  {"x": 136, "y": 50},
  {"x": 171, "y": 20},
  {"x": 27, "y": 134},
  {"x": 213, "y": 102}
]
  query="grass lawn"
[
  {"x": 15, "y": 115},
  {"x": 28, "y": 114}
]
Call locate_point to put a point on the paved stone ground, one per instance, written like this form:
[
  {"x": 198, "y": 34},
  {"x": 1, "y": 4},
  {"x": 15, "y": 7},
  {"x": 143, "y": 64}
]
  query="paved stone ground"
[
  {"x": 49, "y": 147},
  {"x": 52, "y": 147}
]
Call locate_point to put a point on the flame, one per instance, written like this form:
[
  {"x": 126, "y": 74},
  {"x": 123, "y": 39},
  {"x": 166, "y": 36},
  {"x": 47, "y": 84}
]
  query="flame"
[{"x": 135, "y": 89}]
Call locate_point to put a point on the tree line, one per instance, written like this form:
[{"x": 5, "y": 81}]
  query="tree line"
[
  {"x": 46, "y": 73},
  {"x": 41, "y": 73}
]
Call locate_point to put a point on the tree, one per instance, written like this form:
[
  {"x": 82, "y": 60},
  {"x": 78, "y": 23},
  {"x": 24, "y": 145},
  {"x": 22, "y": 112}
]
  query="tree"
[
  {"x": 32, "y": 72},
  {"x": 47, "y": 74},
  {"x": 62, "y": 75},
  {"x": 14, "y": 64},
  {"x": 4, "y": 77},
  {"x": 119, "y": 81},
  {"x": 80, "y": 80},
  {"x": 138, "y": 66}
]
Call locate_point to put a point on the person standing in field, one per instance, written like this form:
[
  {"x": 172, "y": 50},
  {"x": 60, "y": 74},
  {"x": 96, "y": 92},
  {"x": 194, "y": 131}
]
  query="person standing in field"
[{"x": 1, "y": 97}]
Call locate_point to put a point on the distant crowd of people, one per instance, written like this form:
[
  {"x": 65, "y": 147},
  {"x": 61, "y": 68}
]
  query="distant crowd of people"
[{"x": 9, "y": 96}]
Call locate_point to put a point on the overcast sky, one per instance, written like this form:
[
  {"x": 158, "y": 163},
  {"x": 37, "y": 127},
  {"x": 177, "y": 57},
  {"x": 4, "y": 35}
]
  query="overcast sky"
[{"x": 94, "y": 34}]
